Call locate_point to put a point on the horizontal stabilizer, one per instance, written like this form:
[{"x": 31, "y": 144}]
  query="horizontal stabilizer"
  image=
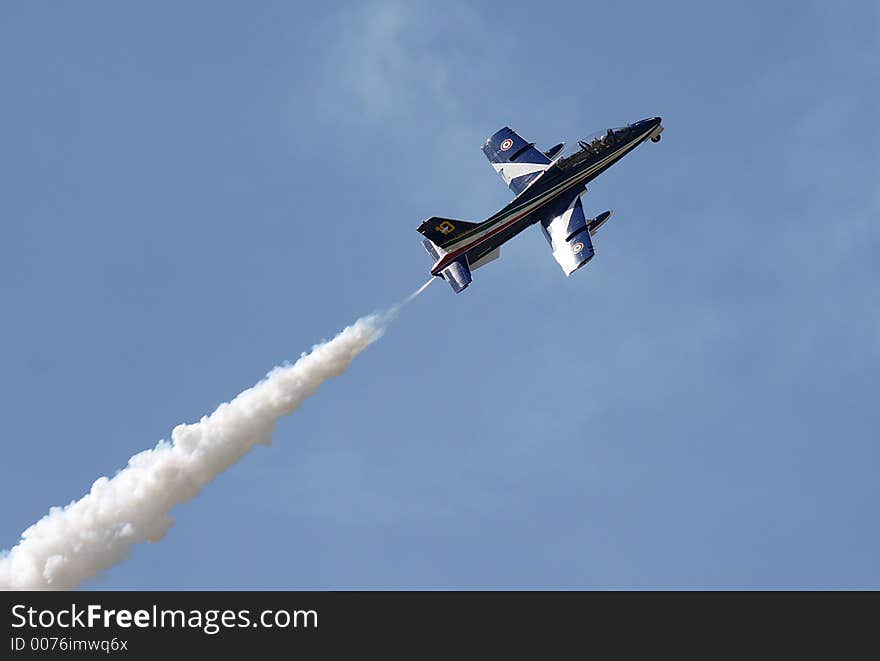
[
  {"x": 485, "y": 259},
  {"x": 441, "y": 231},
  {"x": 457, "y": 274},
  {"x": 433, "y": 250}
]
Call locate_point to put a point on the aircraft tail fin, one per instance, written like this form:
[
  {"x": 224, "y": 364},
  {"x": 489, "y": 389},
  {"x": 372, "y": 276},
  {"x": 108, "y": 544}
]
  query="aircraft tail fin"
[{"x": 441, "y": 231}]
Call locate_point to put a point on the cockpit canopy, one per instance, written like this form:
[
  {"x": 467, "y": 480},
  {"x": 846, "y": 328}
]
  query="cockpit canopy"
[
  {"x": 602, "y": 139},
  {"x": 596, "y": 143}
]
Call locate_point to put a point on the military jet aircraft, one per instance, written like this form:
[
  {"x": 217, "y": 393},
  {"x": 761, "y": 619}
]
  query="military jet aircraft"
[{"x": 548, "y": 189}]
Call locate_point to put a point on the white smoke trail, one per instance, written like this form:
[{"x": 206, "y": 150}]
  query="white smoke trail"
[
  {"x": 74, "y": 543},
  {"x": 413, "y": 295}
]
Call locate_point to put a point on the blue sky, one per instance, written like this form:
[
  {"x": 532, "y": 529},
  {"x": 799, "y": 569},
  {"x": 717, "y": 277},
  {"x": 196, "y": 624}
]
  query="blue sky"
[{"x": 191, "y": 193}]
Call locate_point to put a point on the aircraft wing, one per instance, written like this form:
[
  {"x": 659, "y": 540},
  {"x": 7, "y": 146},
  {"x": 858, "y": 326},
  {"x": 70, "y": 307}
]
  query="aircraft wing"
[
  {"x": 515, "y": 159},
  {"x": 569, "y": 236}
]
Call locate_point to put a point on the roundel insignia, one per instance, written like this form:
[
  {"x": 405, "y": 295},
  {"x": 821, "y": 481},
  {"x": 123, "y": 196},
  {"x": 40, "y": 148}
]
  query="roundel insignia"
[
  {"x": 577, "y": 247},
  {"x": 506, "y": 144}
]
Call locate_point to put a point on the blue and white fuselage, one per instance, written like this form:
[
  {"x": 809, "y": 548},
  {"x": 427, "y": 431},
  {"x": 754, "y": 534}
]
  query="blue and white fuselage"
[{"x": 547, "y": 192}]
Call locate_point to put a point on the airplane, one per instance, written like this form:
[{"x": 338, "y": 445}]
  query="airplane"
[{"x": 547, "y": 188}]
